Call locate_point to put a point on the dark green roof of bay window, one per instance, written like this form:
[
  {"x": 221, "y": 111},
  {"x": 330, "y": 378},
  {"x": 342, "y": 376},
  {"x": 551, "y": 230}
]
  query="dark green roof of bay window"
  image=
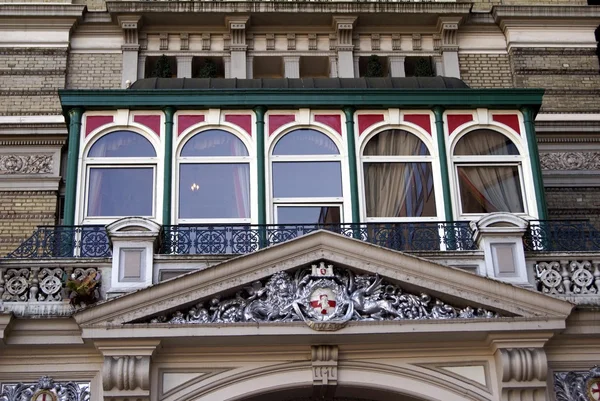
[{"x": 300, "y": 83}]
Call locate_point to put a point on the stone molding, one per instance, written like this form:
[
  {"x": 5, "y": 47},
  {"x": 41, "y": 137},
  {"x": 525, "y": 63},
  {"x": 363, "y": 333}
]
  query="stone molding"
[
  {"x": 522, "y": 373},
  {"x": 570, "y": 161},
  {"x": 26, "y": 164},
  {"x": 324, "y": 370}
]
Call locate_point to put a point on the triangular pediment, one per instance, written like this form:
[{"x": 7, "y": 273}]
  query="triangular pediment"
[{"x": 323, "y": 278}]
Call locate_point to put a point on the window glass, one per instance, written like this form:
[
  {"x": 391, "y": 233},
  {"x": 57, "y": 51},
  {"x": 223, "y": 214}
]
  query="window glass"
[
  {"x": 307, "y": 179},
  {"x": 305, "y": 142},
  {"x": 399, "y": 190},
  {"x": 120, "y": 191},
  {"x": 395, "y": 143},
  {"x": 487, "y": 189},
  {"x": 214, "y": 143},
  {"x": 485, "y": 143},
  {"x": 308, "y": 215},
  {"x": 220, "y": 190},
  {"x": 122, "y": 144}
]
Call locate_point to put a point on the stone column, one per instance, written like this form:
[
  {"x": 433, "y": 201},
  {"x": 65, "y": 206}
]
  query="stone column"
[
  {"x": 448, "y": 28},
  {"x": 345, "y": 47},
  {"x": 130, "y": 48},
  {"x": 292, "y": 66},
  {"x": 250, "y": 67},
  {"x": 500, "y": 236},
  {"x": 237, "y": 27},
  {"x": 333, "y": 67},
  {"x": 184, "y": 66},
  {"x": 397, "y": 66},
  {"x": 141, "y": 67},
  {"x": 126, "y": 368}
]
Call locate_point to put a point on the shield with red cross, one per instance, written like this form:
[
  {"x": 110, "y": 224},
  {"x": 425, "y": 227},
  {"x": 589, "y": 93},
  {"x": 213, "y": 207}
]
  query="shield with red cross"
[
  {"x": 44, "y": 395},
  {"x": 323, "y": 301},
  {"x": 594, "y": 389}
]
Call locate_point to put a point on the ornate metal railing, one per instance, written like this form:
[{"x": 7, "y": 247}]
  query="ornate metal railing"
[
  {"x": 242, "y": 239},
  {"x": 561, "y": 236},
  {"x": 65, "y": 242}
]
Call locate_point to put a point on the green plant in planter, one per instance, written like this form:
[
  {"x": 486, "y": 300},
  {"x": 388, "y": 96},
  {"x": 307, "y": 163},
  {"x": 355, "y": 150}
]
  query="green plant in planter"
[
  {"x": 374, "y": 67},
  {"x": 162, "y": 69},
  {"x": 208, "y": 69},
  {"x": 423, "y": 67},
  {"x": 83, "y": 291}
]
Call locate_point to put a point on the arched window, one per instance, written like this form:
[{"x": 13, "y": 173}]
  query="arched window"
[
  {"x": 214, "y": 178},
  {"x": 306, "y": 179},
  {"x": 398, "y": 177},
  {"x": 488, "y": 171},
  {"x": 121, "y": 176}
]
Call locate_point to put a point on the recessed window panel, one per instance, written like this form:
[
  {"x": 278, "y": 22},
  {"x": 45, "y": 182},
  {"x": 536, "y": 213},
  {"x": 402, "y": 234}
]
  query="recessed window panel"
[
  {"x": 308, "y": 215},
  {"x": 121, "y": 191},
  {"x": 399, "y": 190},
  {"x": 214, "y": 191},
  {"x": 214, "y": 143},
  {"x": 485, "y": 143},
  {"x": 122, "y": 144},
  {"x": 305, "y": 142},
  {"x": 487, "y": 189},
  {"x": 307, "y": 179},
  {"x": 395, "y": 143}
]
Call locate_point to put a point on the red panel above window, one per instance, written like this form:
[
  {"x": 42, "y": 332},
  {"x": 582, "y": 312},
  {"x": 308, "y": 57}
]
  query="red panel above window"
[
  {"x": 278, "y": 120},
  {"x": 331, "y": 120},
  {"x": 186, "y": 121},
  {"x": 150, "y": 121},
  {"x": 94, "y": 122},
  {"x": 456, "y": 120},
  {"x": 421, "y": 120},
  {"x": 510, "y": 120},
  {"x": 244, "y": 121},
  {"x": 366, "y": 120}
]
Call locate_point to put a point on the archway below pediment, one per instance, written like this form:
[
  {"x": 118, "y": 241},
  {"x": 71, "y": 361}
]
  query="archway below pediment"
[{"x": 342, "y": 393}]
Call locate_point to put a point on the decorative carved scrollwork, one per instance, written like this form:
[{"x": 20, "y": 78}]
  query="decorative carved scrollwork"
[
  {"x": 325, "y": 298},
  {"x": 570, "y": 161},
  {"x": 56, "y": 391},
  {"x": 26, "y": 164},
  {"x": 577, "y": 386}
]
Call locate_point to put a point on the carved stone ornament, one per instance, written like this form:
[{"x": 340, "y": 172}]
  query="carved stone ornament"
[
  {"x": 577, "y": 386},
  {"x": 570, "y": 161},
  {"x": 325, "y": 298},
  {"x": 46, "y": 389},
  {"x": 26, "y": 164}
]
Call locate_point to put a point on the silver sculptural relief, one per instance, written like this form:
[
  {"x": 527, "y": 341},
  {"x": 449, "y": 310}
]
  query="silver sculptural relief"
[
  {"x": 324, "y": 297},
  {"x": 577, "y": 386},
  {"x": 46, "y": 389}
]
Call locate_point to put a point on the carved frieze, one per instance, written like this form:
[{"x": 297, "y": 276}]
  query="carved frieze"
[
  {"x": 45, "y": 389},
  {"x": 26, "y": 164},
  {"x": 324, "y": 297},
  {"x": 570, "y": 161},
  {"x": 577, "y": 386}
]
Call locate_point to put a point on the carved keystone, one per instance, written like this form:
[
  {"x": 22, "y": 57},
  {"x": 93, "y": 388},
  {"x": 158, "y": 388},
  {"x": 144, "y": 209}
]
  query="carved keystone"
[{"x": 324, "y": 370}]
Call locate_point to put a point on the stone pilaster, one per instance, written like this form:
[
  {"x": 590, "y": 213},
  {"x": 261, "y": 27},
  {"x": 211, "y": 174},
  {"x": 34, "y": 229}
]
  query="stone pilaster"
[
  {"x": 344, "y": 26},
  {"x": 130, "y": 48},
  {"x": 397, "y": 66},
  {"x": 324, "y": 370},
  {"x": 448, "y": 29},
  {"x": 184, "y": 66},
  {"x": 292, "y": 66},
  {"x": 237, "y": 27}
]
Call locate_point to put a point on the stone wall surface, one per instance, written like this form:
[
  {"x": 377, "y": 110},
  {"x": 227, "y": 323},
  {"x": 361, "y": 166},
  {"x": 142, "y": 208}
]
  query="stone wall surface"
[
  {"x": 94, "y": 71},
  {"x": 486, "y": 70},
  {"x": 574, "y": 203},
  {"x": 21, "y": 212}
]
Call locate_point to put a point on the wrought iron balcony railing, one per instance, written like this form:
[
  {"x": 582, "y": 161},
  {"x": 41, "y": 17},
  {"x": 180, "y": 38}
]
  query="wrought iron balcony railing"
[
  {"x": 242, "y": 239},
  {"x": 65, "y": 242},
  {"x": 561, "y": 236}
]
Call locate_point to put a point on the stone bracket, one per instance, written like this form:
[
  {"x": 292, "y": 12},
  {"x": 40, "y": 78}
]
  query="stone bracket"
[
  {"x": 448, "y": 29},
  {"x": 522, "y": 373},
  {"x": 324, "y": 370}
]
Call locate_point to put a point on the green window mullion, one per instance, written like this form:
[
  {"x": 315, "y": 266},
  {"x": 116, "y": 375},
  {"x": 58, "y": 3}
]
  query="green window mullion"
[
  {"x": 168, "y": 166},
  {"x": 443, "y": 157},
  {"x": 72, "y": 161}
]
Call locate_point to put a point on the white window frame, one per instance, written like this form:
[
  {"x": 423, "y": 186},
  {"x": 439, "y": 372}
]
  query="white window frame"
[{"x": 211, "y": 160}]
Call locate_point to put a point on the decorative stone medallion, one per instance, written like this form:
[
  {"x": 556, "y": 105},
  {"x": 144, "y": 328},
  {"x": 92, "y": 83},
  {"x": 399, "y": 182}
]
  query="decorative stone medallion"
[{"x": 593, "y": 389}]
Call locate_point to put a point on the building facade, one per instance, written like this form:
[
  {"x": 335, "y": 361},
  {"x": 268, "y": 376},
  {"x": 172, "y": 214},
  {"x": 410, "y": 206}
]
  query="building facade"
[{"x": 300, "y": 200}]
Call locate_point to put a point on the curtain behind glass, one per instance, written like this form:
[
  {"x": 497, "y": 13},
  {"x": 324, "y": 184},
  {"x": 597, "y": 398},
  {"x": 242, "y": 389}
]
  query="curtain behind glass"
[
  {"x": 214, "y": 143},
  {"x": 395, "y": 143},
  {"x": 490, "y": 189},
  {"x": 485, "y": 143}
]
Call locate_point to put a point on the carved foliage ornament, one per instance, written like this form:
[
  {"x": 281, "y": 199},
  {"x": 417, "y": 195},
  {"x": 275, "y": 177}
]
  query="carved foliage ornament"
[
  {"x": 324, "y": 297},
  {"x": 46, "y": 389},
  {"x": 577, "y": 386},
  {"x": 26, "y": 164},
  {"x": 570, "y": 161}
]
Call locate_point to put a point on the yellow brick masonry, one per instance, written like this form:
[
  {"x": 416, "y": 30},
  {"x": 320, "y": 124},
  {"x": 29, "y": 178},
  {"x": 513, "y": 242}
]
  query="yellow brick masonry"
[
  {"x": 486, "y": 70},
  {"x": 21, "y": 212}
]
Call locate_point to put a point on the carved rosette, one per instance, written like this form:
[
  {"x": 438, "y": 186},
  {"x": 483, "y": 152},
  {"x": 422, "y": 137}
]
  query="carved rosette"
[
  {"x": 26, "y": 164},
  {"x": 577, "y": 386}
]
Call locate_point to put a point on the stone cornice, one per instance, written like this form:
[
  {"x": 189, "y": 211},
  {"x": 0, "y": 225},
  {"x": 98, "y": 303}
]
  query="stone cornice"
[
  {"x": 532, "y": 13},
  {"x": 285, "y": 7},
  {"x": 42, "y": 10}
]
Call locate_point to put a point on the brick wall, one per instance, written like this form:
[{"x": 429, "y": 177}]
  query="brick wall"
[
  {"x": 570, "y": 77},
  {"x": 486, "y": 70},
  {"x": 94, "y": 71},
  {"x": 29, "y": 79},
  {"x": 574, "y": 203},
  {"x": 21, "y": 212},
  {"x": 480, "y": 3}
]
